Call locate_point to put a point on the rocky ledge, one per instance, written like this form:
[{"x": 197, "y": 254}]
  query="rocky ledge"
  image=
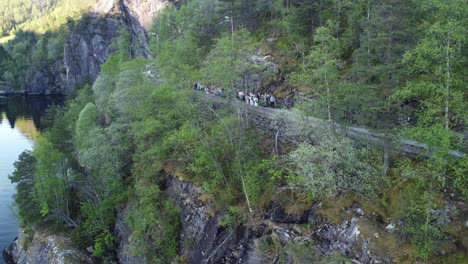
[
  {"x": 44, "y": 248},
  {"x": 274, "y": 237}
]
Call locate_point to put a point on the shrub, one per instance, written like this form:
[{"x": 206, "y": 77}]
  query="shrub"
[{"x": 334, "y": 165}]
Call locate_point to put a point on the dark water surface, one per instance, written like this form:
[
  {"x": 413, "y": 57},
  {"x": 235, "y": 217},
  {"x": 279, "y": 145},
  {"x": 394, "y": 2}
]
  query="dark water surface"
[{"x": 19, "y": 125}]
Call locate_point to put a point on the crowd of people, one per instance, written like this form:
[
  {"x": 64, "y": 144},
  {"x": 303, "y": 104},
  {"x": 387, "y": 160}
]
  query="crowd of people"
[
  {"x": 209, "y": 89},
  {"x": 257, "y": 99},
  {"x": 265, "y": 99}
]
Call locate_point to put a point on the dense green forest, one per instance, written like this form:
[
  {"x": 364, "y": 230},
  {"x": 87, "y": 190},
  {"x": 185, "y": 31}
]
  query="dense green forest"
[
  {"x": 33, "y": 34},
  {"x": 395, "y": 66},
  {"x": 38, "y": 16}
]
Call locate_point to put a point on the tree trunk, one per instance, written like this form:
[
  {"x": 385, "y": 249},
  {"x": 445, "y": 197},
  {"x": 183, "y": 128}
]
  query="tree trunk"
[
  {"x": 447, "y": 87},
  {"x": 368, "y": 32},
  {"x": 328, "y": 97},
  {"x": 246, "y": 195},
  {"x": 386, "y": 156}
]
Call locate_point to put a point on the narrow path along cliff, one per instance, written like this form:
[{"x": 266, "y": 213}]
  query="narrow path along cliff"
[{"x": 292, "y": 124}]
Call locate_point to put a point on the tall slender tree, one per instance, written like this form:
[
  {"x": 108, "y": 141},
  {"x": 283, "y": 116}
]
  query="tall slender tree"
[{"x": 388, "y": 30}]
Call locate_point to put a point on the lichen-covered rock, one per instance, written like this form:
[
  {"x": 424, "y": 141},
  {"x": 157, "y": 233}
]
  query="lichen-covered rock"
[
  {"x": 266, "y": 73},
  {"x": 306, "y": 237},
  {"x": 45, "y": 248},
  {"x": 203, "y": 239}
]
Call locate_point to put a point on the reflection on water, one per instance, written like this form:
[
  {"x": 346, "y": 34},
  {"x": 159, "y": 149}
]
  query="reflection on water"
[
  {"x": 19, "y": 126},
  {"x": 25, "y": 125},
  {"x": 30, "y": 107}
]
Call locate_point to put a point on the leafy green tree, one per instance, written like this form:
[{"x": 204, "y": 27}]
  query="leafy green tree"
[
  {"x": 38, "y": 16},
  {"x": 122, "y": 43},
  {"x": 25, "y": 197},
  {"x": 86, "y": 122},
  {"x": 164, "y": 28},
  {"x": 437, "y": 63},
  {"x": 228, "y": 62},
  {"x": 180, "y": 61},
  {"x": 53, "y": 182},
  {"x": 421, "y": 225},
  {"x": 103, "y": 156},
  {"x": 334, "y": 165},
  {"x": 200, "y": 23},
  {"x": 388, "y": 30},
  {"x": 320, "y": 74}
]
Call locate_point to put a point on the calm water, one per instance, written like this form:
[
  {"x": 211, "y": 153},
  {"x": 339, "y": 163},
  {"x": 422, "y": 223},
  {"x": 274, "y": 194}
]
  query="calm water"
[{"x": 19, "y": 125}]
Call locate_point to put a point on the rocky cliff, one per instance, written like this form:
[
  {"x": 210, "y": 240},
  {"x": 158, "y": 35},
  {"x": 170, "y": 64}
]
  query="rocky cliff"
[
  {"x": 44, "y": 248},
  {"x": 339, "y": 230},
  {"x": 90, "y": 44},
  {"x": 275, "y": 236}
]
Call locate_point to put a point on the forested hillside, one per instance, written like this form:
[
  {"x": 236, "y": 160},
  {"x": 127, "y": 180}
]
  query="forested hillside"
[
  {"x": 38, "y": 16},
  {"x": 34, "y": 34},
  {"x": 115, "y": 151}
]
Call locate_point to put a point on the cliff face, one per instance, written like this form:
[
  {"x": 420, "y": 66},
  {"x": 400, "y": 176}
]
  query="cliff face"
[
  {"x": 44, "y": 248},
  {"x": 90, "y": 44},
  {"x": 305, "y": 237},
  {"x": 88, "y": 47}
]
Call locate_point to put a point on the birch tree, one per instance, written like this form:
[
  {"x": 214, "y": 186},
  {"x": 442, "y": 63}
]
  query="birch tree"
[
  {"x": 319, "y": 74},
  {"x": 437, "y": 62}
]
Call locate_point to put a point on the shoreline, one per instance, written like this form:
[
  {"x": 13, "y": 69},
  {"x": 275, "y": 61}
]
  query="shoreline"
[{"x": 23, "y": 93}]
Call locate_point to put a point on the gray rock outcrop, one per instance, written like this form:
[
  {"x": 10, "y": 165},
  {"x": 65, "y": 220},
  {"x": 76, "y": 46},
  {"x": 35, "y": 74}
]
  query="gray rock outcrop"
[
  {"x": 123, "y": 234},
  {"x": 88, "y": 48},
  {"x": 203, "y": 239},
  {"x": 44, "y": 248},
  {"x": 90, "y": 44}
]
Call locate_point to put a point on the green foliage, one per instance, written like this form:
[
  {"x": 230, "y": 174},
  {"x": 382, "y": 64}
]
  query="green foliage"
[
  {"x": 460, "y": 172},
  {"x": 67, "y": 117},
  {"x": 28, "y": 53},
  {"x": 112, "y": 142},
  {"x": 155, "y": 224},
  {"x": 86, "y": 121},
  {"x": 198, "y": 21},
  {"x": 25, "y": 197},
  {"x": 122, "y": 43},
  {"x": 232, "y": 219},
  {"x": 423, "y": 229},
  {"x": 388, "y": 29},
  {"x": 227, "y": 63},
  {"x": 334, "y": 165},
  {"x": 102, "y": 243},
  {"x": 319, "y": 75},
  {"x": 52, "y": 182},
  {"x": 438, "y": 63},
  {"x": 38, "y": 16}
]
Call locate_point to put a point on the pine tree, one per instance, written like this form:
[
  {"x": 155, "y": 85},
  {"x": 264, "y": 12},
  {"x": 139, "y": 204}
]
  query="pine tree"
[{"x": 388, "y": 30}]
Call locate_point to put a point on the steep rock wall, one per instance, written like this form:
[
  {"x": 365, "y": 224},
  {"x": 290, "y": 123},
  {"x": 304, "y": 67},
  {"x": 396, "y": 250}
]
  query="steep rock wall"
[
  {"x": 203, "y": 239},
  {"x": 90, "y": 44},
  {"x": 88, "y": 47}
]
